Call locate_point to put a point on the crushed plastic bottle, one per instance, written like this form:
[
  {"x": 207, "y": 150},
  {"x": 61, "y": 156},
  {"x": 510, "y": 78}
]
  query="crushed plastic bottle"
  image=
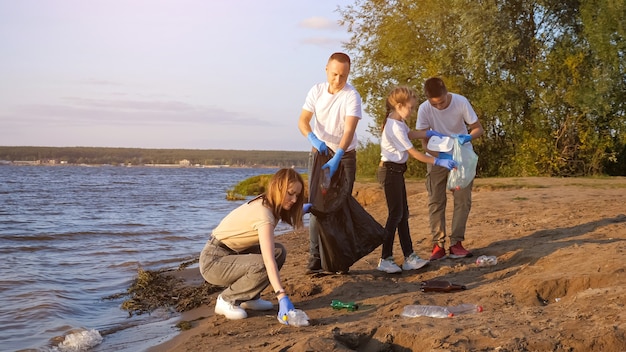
[
  {"x": 325, "y": 180},
  {"x": 465, "y": 308},
  {"x": 486, "y": 260},
  {"x": 412, "y": 311},
  {"x": 349, "y": 306},
  {"x": 297, "y": 317}
]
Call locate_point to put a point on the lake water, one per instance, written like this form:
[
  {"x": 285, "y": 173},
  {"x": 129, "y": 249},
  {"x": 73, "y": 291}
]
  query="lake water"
[{"x": 70, "y": 236}]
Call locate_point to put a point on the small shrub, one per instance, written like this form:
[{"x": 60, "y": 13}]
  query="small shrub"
[{"x": 255, "y": 185}]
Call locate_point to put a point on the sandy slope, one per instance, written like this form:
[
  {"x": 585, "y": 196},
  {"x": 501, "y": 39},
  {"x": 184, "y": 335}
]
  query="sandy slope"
[{"x": 559, "y": 285}]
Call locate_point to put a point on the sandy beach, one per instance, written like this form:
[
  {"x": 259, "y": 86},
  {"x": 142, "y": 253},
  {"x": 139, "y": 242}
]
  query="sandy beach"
[{"x": 559, "y": 284}]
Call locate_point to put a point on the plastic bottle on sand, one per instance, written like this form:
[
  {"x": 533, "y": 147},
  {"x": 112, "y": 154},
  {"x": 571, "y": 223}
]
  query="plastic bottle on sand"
[
  {"x": 325, "y": 180},
  {"x": 465, "y": 308},
  {"x": 412, "y": 311},
  {"x": 486, "y": 260},
  {"x": 297, "y": 317},
  {"x": 349, "y": 306}
]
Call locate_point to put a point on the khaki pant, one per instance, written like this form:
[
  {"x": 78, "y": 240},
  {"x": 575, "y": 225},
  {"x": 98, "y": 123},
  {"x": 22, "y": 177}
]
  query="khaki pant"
[
  {"x": 436, "y": 180},
  {"x": 242, "y": 273}
]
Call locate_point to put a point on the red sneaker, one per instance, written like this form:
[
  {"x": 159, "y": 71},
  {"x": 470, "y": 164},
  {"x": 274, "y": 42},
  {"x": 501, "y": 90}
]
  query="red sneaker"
[
  {"x": 438, "y": 253},
  {"x": 457, "y": 251}
]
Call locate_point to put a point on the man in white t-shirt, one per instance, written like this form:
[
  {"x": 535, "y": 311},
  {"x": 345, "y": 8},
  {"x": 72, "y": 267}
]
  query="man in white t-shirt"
[
  {"x": 336, "y": 106},
  {"x": 447, "y": 113}
]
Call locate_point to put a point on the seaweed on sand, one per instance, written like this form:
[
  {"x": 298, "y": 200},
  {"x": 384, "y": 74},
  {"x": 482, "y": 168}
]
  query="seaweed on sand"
[{"x": 160, "y": 289}]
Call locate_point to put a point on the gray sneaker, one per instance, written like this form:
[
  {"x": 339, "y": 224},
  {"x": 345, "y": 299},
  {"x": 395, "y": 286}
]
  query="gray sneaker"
[
  {"x": 388, "y": 266},
  {"x": 413, "y": 262}
]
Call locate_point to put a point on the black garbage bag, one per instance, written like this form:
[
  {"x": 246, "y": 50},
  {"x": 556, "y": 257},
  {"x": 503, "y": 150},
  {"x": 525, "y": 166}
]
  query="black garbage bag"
[{"x": 347, "y": 231}]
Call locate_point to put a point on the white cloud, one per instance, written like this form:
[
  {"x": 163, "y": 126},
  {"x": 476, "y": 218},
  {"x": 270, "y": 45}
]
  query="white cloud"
[
  {"x": 160, "y": 106},
  {"x": 320, "y": 23},
  {"x": 99, "y": 82},
  {"x": 323, "y": 42},
  {"x": 125, "y": 113}
]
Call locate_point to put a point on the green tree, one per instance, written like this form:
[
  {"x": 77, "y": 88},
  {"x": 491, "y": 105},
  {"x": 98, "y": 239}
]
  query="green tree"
[{"x": 546, "y": 78}]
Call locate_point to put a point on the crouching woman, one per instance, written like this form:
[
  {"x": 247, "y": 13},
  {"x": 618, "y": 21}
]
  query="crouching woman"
[{"x": 241, "y": 253}]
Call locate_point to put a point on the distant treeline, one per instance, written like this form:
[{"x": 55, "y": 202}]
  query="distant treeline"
[
  {"x": 368, "y": 157},
  {"x": 139, "y": 156}
]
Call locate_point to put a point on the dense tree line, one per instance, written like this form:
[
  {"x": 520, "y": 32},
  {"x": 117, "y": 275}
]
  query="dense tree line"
[
  {"x": 138, "y": 156},
  {"x": 547, "y": 78}
]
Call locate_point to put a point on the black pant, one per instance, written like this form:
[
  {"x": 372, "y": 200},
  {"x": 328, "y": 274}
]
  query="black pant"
[
  {"x": 391, "y": 178},
  {"x": 348, "y": 162}
]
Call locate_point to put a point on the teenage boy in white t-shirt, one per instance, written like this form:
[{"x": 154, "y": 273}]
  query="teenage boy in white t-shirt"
[{"x": 450, "y": 114}]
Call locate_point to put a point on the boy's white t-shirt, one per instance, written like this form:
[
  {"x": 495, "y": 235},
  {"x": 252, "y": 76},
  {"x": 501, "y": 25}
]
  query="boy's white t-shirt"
[
  {"x": 331, "y": 110},
  {"x": 451, "y": 120},
  {"x": 395, "y": 142}
]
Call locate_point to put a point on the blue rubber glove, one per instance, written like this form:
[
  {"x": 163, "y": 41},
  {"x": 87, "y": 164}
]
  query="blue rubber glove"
[
  {"x": 318, "y": 144},
  {"x": 464, "y": 138},
  {"x": 446, "y": 156},
  {"x": 306, "y": 207},
  {"x": 431, "y": 133},
  {"x": 447, "y": 163},
  {"x": 333, "y": 163},
  {"x": 284, "y": 306}
]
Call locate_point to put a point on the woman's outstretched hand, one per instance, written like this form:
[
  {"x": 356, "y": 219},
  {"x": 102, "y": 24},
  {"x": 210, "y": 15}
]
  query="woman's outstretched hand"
[{"x": 284, "y": 306}]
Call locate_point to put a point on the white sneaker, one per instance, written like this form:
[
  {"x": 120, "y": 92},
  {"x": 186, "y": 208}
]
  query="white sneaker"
[
  {"x": 257, "y": 304},
  {"x": 229, "y": 310},
  {"x": 388, "y": 266},
  {"x": 413, "y": 262}
]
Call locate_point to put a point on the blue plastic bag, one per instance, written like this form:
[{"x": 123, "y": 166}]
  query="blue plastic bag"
[{"x": 465, "y": 171}]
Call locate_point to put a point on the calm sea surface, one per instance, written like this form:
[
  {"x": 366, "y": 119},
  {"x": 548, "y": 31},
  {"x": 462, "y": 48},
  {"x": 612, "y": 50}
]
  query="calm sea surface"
[{"x": 70, "y": 236}]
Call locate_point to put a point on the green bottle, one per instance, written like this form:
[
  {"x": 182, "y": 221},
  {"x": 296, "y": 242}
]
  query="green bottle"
[{"x": 350, "y": 306}]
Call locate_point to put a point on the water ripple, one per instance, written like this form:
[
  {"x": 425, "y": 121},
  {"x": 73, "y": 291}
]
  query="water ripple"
[{"x": 70, "y": 236}]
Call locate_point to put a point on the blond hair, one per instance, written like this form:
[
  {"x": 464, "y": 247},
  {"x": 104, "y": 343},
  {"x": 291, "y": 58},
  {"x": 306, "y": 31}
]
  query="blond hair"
[
  {"x": 275, "y": 194},
  {"x": 398, "y": 95}
]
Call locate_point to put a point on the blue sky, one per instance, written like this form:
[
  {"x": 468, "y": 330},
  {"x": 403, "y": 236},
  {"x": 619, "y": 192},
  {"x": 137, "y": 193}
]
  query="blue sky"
[{"x": 198, "y": 74}]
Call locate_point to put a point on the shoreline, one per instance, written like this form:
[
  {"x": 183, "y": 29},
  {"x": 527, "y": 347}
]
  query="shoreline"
[{"x": 191, "y": 277}]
